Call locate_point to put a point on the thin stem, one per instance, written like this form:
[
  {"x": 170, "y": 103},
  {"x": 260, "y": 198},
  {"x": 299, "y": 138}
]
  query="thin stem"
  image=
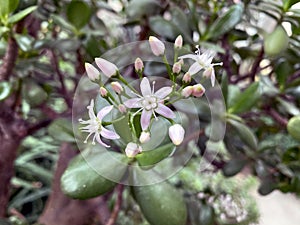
[{"x": 117, "y": 206}]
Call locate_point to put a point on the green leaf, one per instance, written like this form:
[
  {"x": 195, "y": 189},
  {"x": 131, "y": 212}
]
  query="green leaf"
[
  {"x": 293, "y": 127},
  {"x": 154, "y": 156},
  {"x": 61, "y": 130},
  {"x": 78, "y": 13},
  {"x": 245, "y": 133},
  {"x": 163, "y": 27},
  {"x": 20, "y": 15},
  {"x": 5, "y": 90},
  {"x": 8, "y": 6},
  {"x": 288, "y": 3},
  {"x": 123, "y": 129},
  {"x": 246, "y": 100},
  {"x": 233, "y": 167},
  {"x": 139, "y": 8},
  {"x": 226, "y": 22}
]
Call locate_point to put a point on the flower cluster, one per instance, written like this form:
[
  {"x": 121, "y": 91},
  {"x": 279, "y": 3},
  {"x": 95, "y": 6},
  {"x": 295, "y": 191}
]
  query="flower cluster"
[{"x": 148, "y": 103}]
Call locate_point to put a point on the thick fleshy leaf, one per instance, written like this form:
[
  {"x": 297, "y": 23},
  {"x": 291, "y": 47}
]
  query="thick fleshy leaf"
[
  {"x": 145, "y": 87},
  {"x": 165, "y": 111},
  {"x": 78, "y": 13},
  {"x": 20, "y": 15}
]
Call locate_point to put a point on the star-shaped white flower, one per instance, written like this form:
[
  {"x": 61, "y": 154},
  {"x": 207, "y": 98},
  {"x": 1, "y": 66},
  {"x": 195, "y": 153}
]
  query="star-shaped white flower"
[
  {"x": 150, "y": 103},
  {"x": 94, "y": 125},
  {"x": 203, "y": 61}
]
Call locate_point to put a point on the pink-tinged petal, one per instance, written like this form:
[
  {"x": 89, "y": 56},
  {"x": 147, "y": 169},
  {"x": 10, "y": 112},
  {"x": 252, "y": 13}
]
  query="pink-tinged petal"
[
  {"x": 165, "y": 111},
  {"x": 132, "y": 149},
  {"x": 157, "y": 46},
  {"x": 133, "y": 103},
  {"x": 189, "y": 56},
  {"x": 195, "y": 68},
  {"x": 145, "y": 87},
  {"x": 109, "y": 69},
  {"x": 163, "y": 92},
  {"x": 109, "y": 134},
  {"x": 91, "y": 71},
  {"x": 176, "y": 134},
  {"x": 100, "y": 141},
  {"x": 145, "y": 119},
  {"x": 213, "y": 77},
  {"x": 91, "y": 110},
  {"x": 103, "y": 112}
]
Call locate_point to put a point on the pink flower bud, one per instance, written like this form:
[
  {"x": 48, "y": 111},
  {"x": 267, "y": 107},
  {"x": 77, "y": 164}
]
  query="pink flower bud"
[
  {"x": 132, "y": 149},
  {"x": 187, "y": 78},
  {"x": 145, "y": 137},
  {"x": 178, "y": 42},
  {"x": 198, "y": 90},
  {"x": 117, "y": 87},
  {"x": 176, "y": 134},
  {"x": 92, "y": 72},
  {"x": 138, "y": 65},
  {"x": 187, "y": 91},
  {"x": 176, "y": 67},
  {"x": 122, "y": 108},
  {"x": 103, "y": 92},
  {"x": 109, "y": 69},
  {"x": 157, "y": 46}
]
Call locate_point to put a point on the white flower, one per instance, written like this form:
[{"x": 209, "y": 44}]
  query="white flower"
[
  {"x": 132, "y": 149},
  {"x": 145, "y": 137},
  {"x": 157, "y": 46},
  {"x": 187, "y": 78},
  {"x": 109, "y": 69},
  {"x": 92, "y": 72},
  {"x": 203, "y": 61},
  {"x": 198, "y": 90},
  {"x": 150, "y": 103},
  {"x": 117, "y": 87},
  {"x": 138, "y": 65},
  {"x": 94, "y": 125},
  {"x": 176, "y": 134},
  {"x": 187, "y": 91},
  {"x": 176, "y": 67},
  {"x": 103, "y": 92}
]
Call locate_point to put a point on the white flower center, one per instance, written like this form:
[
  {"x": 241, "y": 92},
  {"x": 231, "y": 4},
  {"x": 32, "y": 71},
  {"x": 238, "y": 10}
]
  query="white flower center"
[{"x": 149, "y": 102}]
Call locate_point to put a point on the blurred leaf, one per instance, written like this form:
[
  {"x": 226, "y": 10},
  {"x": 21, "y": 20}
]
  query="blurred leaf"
[
  {"x": 163, "y": 27},
  {"x": 25, "y": 42},
  {"x": 276, "y": 42},
  {"x": 78, "y": 13},
  {"x": 288, "y": 3},
  {"x": 226, "y": 22},
  {"x": 289, "y": 107},
  {"x": 20, "y": 15},
  {"x": 293, "y": 127},
  {"x": 62, "y": 22},
  {"x": 33, "y": 93},
  {"x": 5, "y": 90},
  {"x": 283, "y": 69},
  {"x": 266, "y": 187},
  {"x": 7, "y": 6},
  {"x": 151, "y": 157},
  {"x": 61, "y": 130},
  {"x": 233, "y": 167},
  {"x": 138, "y": 8},
  {"x": 206, "y": 215},
  {"x": 245, "y": 133},
  {"x": 246, "y": 100}
]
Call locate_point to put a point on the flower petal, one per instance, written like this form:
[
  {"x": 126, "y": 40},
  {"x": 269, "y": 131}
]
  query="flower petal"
[
  {"x": 189, "y": 56},
  {"x": 91, "y": 110},
  {"x": 213, "y": 77},
  {"x": 165, "y": 111},
  {"x": 109, "y": 134},
  {"x": 176, "y": 134},
  {"x": 145, "y": 119},
  {"x": 163, "y": 92},
  {"x": 100, "y": 141},
  {"x": 195, "y": 68},
  {"x": 145, "y": 87},
  {"x": 109, "y": 69},
  {"x": 103, "y": 112},
  {"x": 132, "y": 103},
  {"x": 92, "y": 72}
]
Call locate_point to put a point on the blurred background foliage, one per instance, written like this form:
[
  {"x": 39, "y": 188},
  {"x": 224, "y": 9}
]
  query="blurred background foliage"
[{"x": 45, "y": 43}]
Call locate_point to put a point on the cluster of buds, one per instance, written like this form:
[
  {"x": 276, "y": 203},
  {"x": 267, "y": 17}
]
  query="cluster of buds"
[{"x": 148, "y": 103}]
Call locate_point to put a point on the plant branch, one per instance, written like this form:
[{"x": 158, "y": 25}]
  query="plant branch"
[{"x": 117, "y": 207}]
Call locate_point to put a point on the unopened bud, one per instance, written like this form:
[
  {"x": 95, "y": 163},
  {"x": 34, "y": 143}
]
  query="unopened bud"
[
  {"x": 176, "y": 134},
  {"x": 92, "y": 72},
  {"x": 198, "y": 90},
  {"x": 138, "y": 65},
  {"x": 157, "y": 46},
  {"x": 145, "y": 137},
  {"x": 178, "y": 42},
  {"x": 132, "y": 149},
  {"x": 109, "y": 69},
  {"x": 187, "y": 78},
  {"x": 187, "y": 91},
  {"x": 103, "y": 92},
  {"x": 122, "y": 108},
  {"x": 176, "y": 67},
  {"x": 117, "y": 87}
]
